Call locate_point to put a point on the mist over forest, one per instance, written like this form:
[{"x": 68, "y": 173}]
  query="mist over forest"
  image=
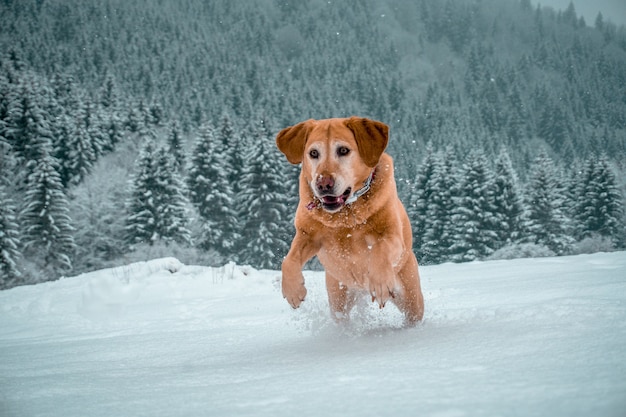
[{"x": 130, "y": 130}]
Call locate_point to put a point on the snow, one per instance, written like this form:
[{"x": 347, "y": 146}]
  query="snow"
[{"x": 532, "y": 337}]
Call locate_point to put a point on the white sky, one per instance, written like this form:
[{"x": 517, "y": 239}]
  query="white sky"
[{"x": 612, "y": 10}]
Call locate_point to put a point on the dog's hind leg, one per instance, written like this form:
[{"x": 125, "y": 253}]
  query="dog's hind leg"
[
  {"x": 411, "y": 300},
  {"x": 341, "y": 300}
]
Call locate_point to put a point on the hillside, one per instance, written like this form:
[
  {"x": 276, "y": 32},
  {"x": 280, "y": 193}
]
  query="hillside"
[
  {"x": 541, "y": 337},
  {"x": 457, "y": 72},
  {"x": 498, "y": 101}
]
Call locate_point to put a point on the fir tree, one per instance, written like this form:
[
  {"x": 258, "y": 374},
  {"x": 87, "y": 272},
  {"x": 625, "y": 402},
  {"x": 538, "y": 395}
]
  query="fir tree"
[
  {"x": 438, "y": 236},
  {"x": 156, "y": 207},
  {"x": 44, "y": 218},
  {"x": 175, "y": 146},
  {"x": 212, "y": 194},
  {"x": 172, "y": 201},
  {"x": 474, "y": 216},
  {"x": 111, "y": 123},
  {"x": 418, "y": 202},
  {"x": 113, "y": 131},
  {"x": 76, "y": 153},
  {"x": 109, "y": 96},
  {"x": 90, "y": 118},
  {"x": 9, "y": 242},
  {"x": 264, "y": 204},
  {"x": 27, "y": 122},
  {"x": 599, "y": 209},
  {"x": 226, "y": 146},
  {"x": 546, "y": 222},
  {"x": 508, "y": 201},
  {"x": 199, "y": 181}
]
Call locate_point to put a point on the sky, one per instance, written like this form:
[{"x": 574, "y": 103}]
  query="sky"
[{"x": 612, "y": 10}]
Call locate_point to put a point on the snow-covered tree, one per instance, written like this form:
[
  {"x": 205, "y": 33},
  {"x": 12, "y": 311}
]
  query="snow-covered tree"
[
  {"x": 157, "y": 203},
  {"x": 474, "y": 216},
  {"x": 546, "y": 222},
  {"x": 47, "y": 229},
  {"x": 175, "y": 146},
  {"x": 109, "y": 94},
  {"x": 508, "y": 201},
  {"x": 112, "y": 125},
  {"x": 439, "y": 233},
  {"x": 212, "y": 194},
  {"x": 421, "y": 192},
  {"x": 9, "y": 241},
  {"x": 227, "y": 139},
  {"x": 76, "y": 152},
  {"x": 599, "y": 207},
  {"x": 264, "y": 203},
  {"x": 198, "y": 177},
  {"x": 27, "y": 121}
]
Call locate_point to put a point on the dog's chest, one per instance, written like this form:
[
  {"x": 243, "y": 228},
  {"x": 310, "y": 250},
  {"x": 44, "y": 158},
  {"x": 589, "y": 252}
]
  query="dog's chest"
[{"x": 349, "y": 254}]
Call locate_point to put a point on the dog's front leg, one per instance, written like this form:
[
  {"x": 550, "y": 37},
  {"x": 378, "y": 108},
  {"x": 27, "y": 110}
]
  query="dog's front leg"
[
  {"x": 387, "y": 254},
  {"x": 303, "y": 247}
]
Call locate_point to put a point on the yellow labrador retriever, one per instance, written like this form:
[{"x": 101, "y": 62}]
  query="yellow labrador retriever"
[{"x": 350, "y": 216}]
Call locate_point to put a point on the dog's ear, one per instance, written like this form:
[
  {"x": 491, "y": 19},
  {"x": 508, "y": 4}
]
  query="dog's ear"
[
  {"x": 291, "y": 140},
  {"x": 371, "y": 138}
]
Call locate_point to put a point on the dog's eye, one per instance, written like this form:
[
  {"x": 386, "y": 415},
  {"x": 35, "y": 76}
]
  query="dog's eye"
[
  {"x": 343, "y": 151},
  {"x": 313, "y": 153}
]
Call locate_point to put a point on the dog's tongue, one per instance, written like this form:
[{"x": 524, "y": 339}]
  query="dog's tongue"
[
  {"x": 331, "y": 200},
  {"x": 334, "y": 200}
]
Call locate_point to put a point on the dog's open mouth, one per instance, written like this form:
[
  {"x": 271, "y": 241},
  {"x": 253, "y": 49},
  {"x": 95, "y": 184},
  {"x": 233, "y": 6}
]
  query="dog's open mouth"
[{"x": 335, "y": 202}]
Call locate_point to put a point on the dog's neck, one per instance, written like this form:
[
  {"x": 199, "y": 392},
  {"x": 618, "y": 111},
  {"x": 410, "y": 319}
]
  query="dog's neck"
[{"x": 366, "y": 187}]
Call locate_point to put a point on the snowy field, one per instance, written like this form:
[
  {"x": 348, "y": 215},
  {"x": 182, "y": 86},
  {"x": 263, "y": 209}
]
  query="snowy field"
[{"x": 533, "y": 337}]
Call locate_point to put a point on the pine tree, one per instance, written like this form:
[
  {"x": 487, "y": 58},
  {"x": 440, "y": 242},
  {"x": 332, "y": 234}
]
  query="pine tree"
[
  {"x": 175, "y": 146},
  {"x": 44, "y": 218},
  {"x": 474, "y": 216},
  {"x": 199, "y": 181},
  {"x": 211, "y": 192},
  {"x": 508, "y": 201},
  {"x": 157, "y": 204},
  {"x": 91, "y": 119},
  {"x": 9, "y": 242},
  {"x": 600, "y": 208},
  {"x": 27, "y": 121},
  {"x": 172, "y": 199},
  {"x": 226, "y": 141},
  {"x": 438, "y": 236},
  {"x": 111, "y": 124},
  {"x": 546, "y": 222},
  {"x": 418, "y": 201},
  {"x": 109, "y": 96},
  {"x": 77, "y": 152},
  {"x": 264, "y": 204}
]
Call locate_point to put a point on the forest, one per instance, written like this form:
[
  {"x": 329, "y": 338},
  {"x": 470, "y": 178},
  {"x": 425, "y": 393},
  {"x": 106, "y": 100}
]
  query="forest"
[{"x": 131, "y": 130}]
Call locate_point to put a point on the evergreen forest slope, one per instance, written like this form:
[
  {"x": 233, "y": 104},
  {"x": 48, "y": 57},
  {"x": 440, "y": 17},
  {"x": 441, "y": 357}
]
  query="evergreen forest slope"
[{"x": 481, "y": 94}]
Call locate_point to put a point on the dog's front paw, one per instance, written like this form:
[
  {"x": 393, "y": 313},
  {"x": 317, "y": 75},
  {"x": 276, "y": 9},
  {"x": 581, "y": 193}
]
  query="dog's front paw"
[
  {"x": 293, "y": 290},
  {"x": 382, "y": 292}
]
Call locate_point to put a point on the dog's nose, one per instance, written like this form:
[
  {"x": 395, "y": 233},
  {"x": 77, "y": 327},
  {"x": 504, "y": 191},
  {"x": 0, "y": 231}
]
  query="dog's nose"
[{"x": 325, "y": 184}]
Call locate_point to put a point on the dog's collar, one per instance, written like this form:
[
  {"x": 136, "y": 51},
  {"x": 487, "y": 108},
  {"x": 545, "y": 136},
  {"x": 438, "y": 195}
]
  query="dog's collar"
[{"x": 366, "y": 187}]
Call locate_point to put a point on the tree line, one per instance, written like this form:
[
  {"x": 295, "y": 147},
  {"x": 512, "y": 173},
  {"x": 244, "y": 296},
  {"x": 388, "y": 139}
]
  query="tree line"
[{"x": 470, "y": 209}]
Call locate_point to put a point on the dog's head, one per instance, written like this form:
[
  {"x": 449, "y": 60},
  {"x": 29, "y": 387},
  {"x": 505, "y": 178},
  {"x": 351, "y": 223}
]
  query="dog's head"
[{"x": 337, "y": 155}]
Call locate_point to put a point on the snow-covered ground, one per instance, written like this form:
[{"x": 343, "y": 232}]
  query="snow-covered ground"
[{"x": 532, "y": 337}]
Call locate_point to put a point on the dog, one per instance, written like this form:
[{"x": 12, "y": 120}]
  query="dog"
[{"x": 350, "y": 216}]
